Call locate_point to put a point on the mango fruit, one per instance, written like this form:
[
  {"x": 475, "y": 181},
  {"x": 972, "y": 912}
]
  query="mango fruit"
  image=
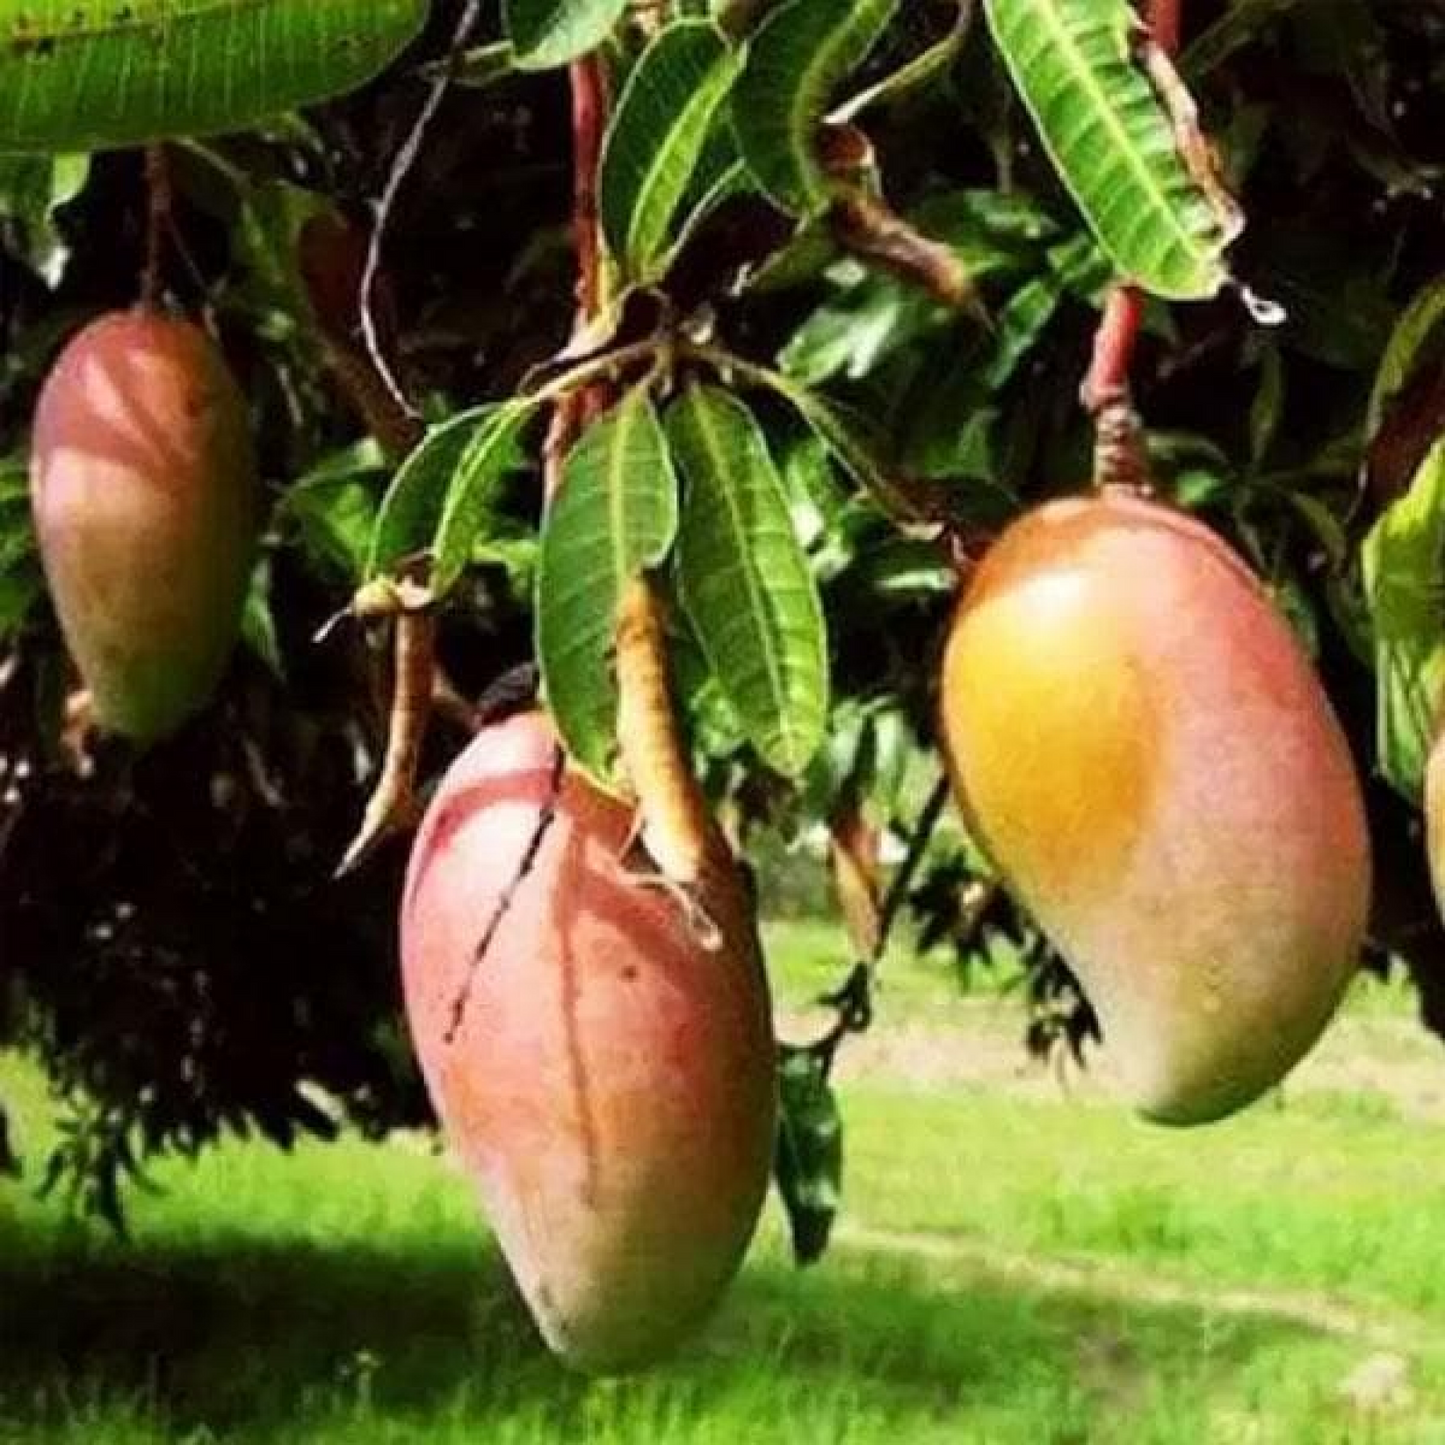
[
  {"x": 608, "y": 1083},
  {"x": 145, "y": 499},
  {"x": 1141, "y": 746}
]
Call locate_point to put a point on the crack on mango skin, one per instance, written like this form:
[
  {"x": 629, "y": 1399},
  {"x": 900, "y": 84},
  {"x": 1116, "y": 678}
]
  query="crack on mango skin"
[
  {"x": 611, "y": 1087},
  {"x": 1137, "y": 740}
]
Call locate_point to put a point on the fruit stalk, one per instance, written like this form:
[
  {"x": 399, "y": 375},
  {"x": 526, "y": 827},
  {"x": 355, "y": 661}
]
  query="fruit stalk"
[
  {"x": 158, "y": 215},
  {"x": 1107, "y": 383}
]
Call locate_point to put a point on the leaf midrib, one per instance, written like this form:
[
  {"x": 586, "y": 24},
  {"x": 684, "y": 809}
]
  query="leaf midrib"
[
  {"x": 812, "y": 95},
  {"x": 1079, "y": 64},
  {"x": 716, "y": 473},
  {"x": 707, "y": 96}
]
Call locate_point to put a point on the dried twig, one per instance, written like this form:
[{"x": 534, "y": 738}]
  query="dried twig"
[
  {"x": 673, "y": 825},
  {"x": 865, "y": 225},
  {"x": 401, "y": 168},
  {"x": 393, "y": 804}
]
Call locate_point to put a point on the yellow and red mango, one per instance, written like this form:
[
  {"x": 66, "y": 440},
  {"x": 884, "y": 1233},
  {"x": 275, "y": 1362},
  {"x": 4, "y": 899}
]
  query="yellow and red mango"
[
  {"x": 1142, "y": 747},
  {"x": 144, "y": 491},
  {"x": 608, "y": 1082}
]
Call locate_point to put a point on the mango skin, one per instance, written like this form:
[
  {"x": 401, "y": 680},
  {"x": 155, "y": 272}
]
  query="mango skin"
[
  {"x": 146, "y": 506},
  {"x": 1142, "y": 747},
  {"x": 612, "y": 1086}
]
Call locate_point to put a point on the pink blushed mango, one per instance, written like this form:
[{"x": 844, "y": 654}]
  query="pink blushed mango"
[
  {"x": 608, "y": 1082},
  {"x": 145, "y": 498},
  {"x": 1140, "y": 744}
]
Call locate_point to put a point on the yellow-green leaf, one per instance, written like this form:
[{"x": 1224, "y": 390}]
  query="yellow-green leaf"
[
  {"x": 96, "y": 74},
  {"x": 1113, "y": 142}
]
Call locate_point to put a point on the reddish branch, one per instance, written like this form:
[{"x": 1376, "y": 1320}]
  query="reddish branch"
[
  {"x": 1165, "y": 23},
  {"x": 1108, "y": 378},
  {"x": 589, "y": 124},
  {"x": 590, "y": 101},
  {"x": 1119, "y": 454},
  {"x": 1113, "y": 348}
]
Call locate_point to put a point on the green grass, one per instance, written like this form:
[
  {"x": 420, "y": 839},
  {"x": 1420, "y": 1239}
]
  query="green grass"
[{"x": 1014, "y": 1266}]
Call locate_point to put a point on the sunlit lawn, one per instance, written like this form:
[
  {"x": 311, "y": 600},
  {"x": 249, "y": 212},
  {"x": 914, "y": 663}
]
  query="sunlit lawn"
[{"x": 1015, "y": 1265}]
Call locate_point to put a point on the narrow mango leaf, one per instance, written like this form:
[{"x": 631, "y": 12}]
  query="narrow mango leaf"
[
  {"x": 491, "y": 455},
  {"x": 615, "y": 515},
  {"x": 846, "y": 435},
  {"x": 412, "y": 506},
  {"x": 20, "y": 578},
  {"x": 20, "y": 589},
  {"x": 1113, "y": 143},
  {"x": 1420, "y": 326},
  {"x": 1404, "y": 567},
  {"x": 547, "y": 33},
  {"x": 94, "y": 74},
  {"x": 718, "y": 176},
  {"x": 808, "y": 1163},
  {"x": 795, "y": 61},
  {"x": 744, "y": 580},
  {"x": 333, "y": 509},
  {"x": 657, "y": 136}
]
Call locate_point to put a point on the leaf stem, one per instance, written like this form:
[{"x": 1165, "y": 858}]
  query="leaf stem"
[
  {"x": 158, "y": 215},
  {"x": 605, "y": 368},
  {"x": 1119, "y": 452}
]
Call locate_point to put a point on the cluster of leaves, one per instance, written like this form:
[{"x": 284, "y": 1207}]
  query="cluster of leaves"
[{"x": 853, "y": 260}]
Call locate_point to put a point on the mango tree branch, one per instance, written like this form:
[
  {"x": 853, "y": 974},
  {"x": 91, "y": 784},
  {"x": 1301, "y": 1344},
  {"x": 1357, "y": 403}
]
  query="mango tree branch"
[
  {"x": 576, "y": 406},
  {"x": 1165, "y": 19}
]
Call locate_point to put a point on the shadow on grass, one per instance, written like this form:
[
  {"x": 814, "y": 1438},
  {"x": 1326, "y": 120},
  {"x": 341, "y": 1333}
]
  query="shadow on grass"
[{"x": 245, "y": 1336}]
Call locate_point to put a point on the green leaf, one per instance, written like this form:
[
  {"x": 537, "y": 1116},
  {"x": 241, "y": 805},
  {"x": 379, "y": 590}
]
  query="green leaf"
[
  {"x": 21, "y": 582},
  {"x": 795, "y": 61},
  {"x": 1113, "y": 144},
  {"x": 412, "y": 507},
  {"x": 32, "y": 190},
  {"x": 20, "y": 589},
  {"x": 615, "y": 515},
  {"x": 548, "y": 33},
  {"x": 657, "y": 137},
  {"x": 1404, "y": 569},
  {"x": 268, "y": 240},
  {"x": 333, "y": 508},
  {"x": 808, "y": 1163},
  {"x": 258, "y": 620},
  {"x": 851, "y": 442},
  {"x": 14, "y": 481},
  {"x": 491, "y": 455},
  {"x": 999, "y": 240},
  {"x": 744, "y": 580},
  {"x": 95, "y": 74},
  {"x": 1419, "y": 328}
]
